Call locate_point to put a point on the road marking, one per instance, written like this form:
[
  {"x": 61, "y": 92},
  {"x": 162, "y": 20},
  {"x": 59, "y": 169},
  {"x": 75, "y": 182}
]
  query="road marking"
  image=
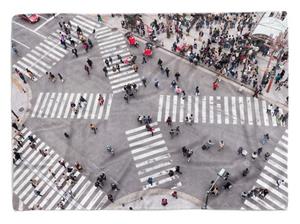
[
  {"x": 68, "y": 108},
  {"x": 94, "y": 107},
  {"x": 38, "y": 61},
  {"x": 52, "y": 50},
  {"x": 24, "y": 45},
  {"x": 257, "y": 113},
  {"x": 234, "y": 116},
  {"x": 111, "y": 40},
  {"x": 265, "y": 114},
  {"x": 141, "y": 142},
  {"x": 281, "y": 152},
  {"x": 189, "y": 105},
  {"x": 276, "y": 157},
  {"x": 26, "y": 66},
  {"x": 251, "y": 205},
  {"x": 56, "y": 104},
  {"x": 29, "y": 29},
  {"x": 262, "y": 203},
  {"x": 174, "y": 108},
  {"x": 149, "y": 169},
  {"x": 151, "y": 153},
  {"x": 157, "y": 174},
  {"x": 204, "y": 109},
  {"x": 277, "y": 166},
  {"x": 242, "y": 110},
  {"x": 124, "y": 78},
  {"x": 47, "y": 53},
  {"x": 152, "y": 160},
  {"x": 87, "y": 109},
  {"x": 94, "y": 200},
  {"x": 140, "y": 149},
  {"x": 276, "y": 174},
  {"x": 160, "y": 107},
  {"x": 88, "y": 21},
  {"x": 219, "y": 110},
  {"x": 226, "y": 109},
  {"x": 211, "y": 109},
  {"x": 285, "y": 138},
  {"x": 142, "y": 134},
  {"x": 125, "y": 83},
  {"x": 108, "y": 106},
  {"x": 33, "y": 64},
  {"x": 62, "y": 105},
  {"x": 271, "y": 180},
  {"x": 43, "y": 24},
  {"x": 101, "y": 107},
  {"x": 87, "y": 26},
  {"x": 81, "y": 111},
  {"x": 131, "y": 131},
  {"x": 181, "y": 112},
  {"x": 277, "y": 193},
  {"x": 196, "y": 109},
  {"x": 274, "y": 120},
  {"x": 77, "y": 104},
  {"x": 249, "y": 110},
  {"x": 37, "y": 104},
  {"x": 49, "y": 104},
  {"x": 167, "y": 107},
  {"x": 57, "y": 46},
  {"x": 43, "y": 105}
]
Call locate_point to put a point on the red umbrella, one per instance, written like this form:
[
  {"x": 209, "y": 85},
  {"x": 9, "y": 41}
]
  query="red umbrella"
[
  {"x": 131, "y": 40},
  {"x": 148, "y": 52}
]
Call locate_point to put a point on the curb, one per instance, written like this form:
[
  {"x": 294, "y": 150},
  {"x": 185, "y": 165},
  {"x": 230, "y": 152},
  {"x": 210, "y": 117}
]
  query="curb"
[
  {"x": 157, "y": 191},
  {"x": 236, "y": 83}
]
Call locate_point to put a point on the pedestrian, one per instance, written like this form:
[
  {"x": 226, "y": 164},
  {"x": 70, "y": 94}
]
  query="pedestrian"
[
  {"x": 144, "y": 81},
  {"x": 82, "y": 100},
  {"x": 120, "y": 58},
  {"x": 99, "y": 18},
  {"x": 267, "y": 155},
  {"x": 17, "y": 156},
  {"x": 177, "y": 75},
  {"x": 93, "y": 128},
  {"x": 100, "y": 100},
  {"x": 169, "y": 121},
  {"x": 135, "y": 67},
  {"x": 110, "y": 197},
  {"x": 259, "y": 151},
  {"x": 66, "y": 135},
  {"x": 110, "y": 59},
  {"x": 279, "y": 182},
  {"x": 167, "y": 70},
  {"x": 15, "y": 126},
  {"x": 221, "y": 145},
  {"x": 184, "y": 151},
  {"x": 51, "y": 172},
  {"x": 256, "y": 91},
  {"x": 106, "y": 62},
  {"x": 114, "y": 69},
  {"x": 174, "y": 194},
  {"x": 159, "y": 62},
  {"x": 62, "y": 162},
  {"x": 171, "y": 173},
  {"x": 38, "y": 193},
  {"x": 90, "y": 62},
  {"x": 150, "y": 181},
  {"x": 197, "y": 91},
  {"x": 164, "y": 201},
  {"x": 114, "y": 187},
  {"x": 144, "y": 60},
  {"x": 126, "y": 98},
  {"x": 105, "y": 71},
  {"x": 156, "y": 83},
  {"x": 215, "y": 85},
  {"x": 245, "y": 172},
  {"x": 118, "y": 68},
  {"x": 254, "y": 155},
  {"x": 183, "y": 94},
  {"x": 74, "y": 51},
  {"x": 276, "y": 111},
  {"x": 21, "y": 76},
  {"x": 177, "y": 170},
  {"x": 31, "y": 138},
  {"x": 87, "y": 69},
  {"x": 34, "y": 182},
  {"x": 189, "y": 154},
  {"x": 60, "y": 77}
]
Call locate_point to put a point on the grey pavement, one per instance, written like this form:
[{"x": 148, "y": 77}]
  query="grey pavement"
[{"x": 89, "y": 148}]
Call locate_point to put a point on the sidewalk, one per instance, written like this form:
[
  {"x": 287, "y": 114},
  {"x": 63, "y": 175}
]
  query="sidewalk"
[
  {"x": 151, "y": 200},
  {"x": 275, "y": 97},
  {"x": 20, "y": 99}
]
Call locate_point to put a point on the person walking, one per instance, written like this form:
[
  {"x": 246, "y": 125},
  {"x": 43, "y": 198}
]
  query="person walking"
[
  {"x": 221, "y": 145},
  {"x": 254, "y": 155},
  {"x": 15, "y": 126},
  {"x": 93, "y": 128},
  {"x": 82, "y": 100},
  {"x": 279, "y": 182},
  {"x": 120, "y": 58},
  {"x": 60, "y": 77},
  {"x": 90, "y": 63},
  {"x": 197, "y": 91},
  {"x": 126, "y": 98},
  {"x": 87, "y": 69},
  {"x": 105, "y": 71},
  {"x": 169, "y": 121},
  {"x": 74, "y": 51},
  {"x": 160, "y": 62},
  {"x": 245, "y": 172},
  {"x": 177, "y": 170},
  {"x": 106, "y": 62},
  {"x": 100, "y": 100},
  {"x": 167, "y": 70},
  {"x": 118, "y": 67},
  {"x": 256, "y": 92},
  {"x": 267, "y": 155},
  {"x": 177, "y": 75},
  {"x": 144, "y": 81},
  {"x": 156, "y": 83},
  {"x": 110, "y": 198},
  {"x": 66, "y": 135},
  {"x": 62, "y": 162},
  {"x": 144, "y": 60},
  {"x": 189, "y": 155},
  {"x": 38, "y": 193},
  {"x": 215, "y": 85},
  {"x": 150, "y": 181}
]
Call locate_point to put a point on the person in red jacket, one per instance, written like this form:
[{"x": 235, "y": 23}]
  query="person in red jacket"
[{"x": 215, "y": 85}]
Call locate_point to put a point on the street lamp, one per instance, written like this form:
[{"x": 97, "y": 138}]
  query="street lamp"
[{"x": 221, "y": 173}]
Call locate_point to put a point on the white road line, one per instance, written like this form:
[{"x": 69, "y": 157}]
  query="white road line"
[
  {"x": 167, "y": 109},
  {"x": 251, "y": 205},
  {"x": 33, "y": 64},
  {"x": 57, "y": 46},
  {"x": 87, "y": 26},
  {"x": 151, "y": 153},
  {"x": 211, "y": 109},
  {"x": 68, "y": 107},
  {"x": 274, "y": 120},
  {"x": 274, "y": 201},
  {"x": 124, "y": 78},
  {"x": 113, "y": 49},
  {"x": 38, "y": 61},
  {"x": 52, "y": 50},
  {"x": 196, "y": 109},
  {"x": 277, "y": 166},
  {"x": 257, "y": 113},
  {"x": 86, "y": 30},
  {"x": 81, "y": 111},
  {"x": 153, "y": 160},
  {"x": 263, "y": 203},
  {"x": 26, "y": 66},
  {"x": 111, "y": 40},
  {"x": 43, "y": 24},
  {"x": 285, "y": 138},
  {"x": 24, "y": 45},
  {"x": 49, "y": 104},
  {"x": 249, "y": 110},
  {"x": 122, "y": 52},
  {"x": 125, "y": 83},
  {"x": 181, "y": 112},
  {"x": 204, "y": 109},
  {"x": 102, "y": 107},
  {"x": 87, "y": 109},
  {"x": 219, "y": 110},
  {"x": 174, "y": 108},
  {"x": 149, "y": 169},
  {"x": 62, "y": 105},
  {"x": 279, "y": 159},
  {"x": 149, "y": 139},
  {"x": 94, "y": 200},
  {"x": 94, "y": 107},
  {"x": 122, "y": 74},
  {"x": 265, "y": 114},
  {"x": 131, "y": 131},
  {"x": 157, "y": 174},
  {"x": 37, "y": 104},
  {"x": 160, "y": 106},
  {"x": 277, "y": 193},
  {"x": 77, "y": 102},
  {"x": 271, "y": 180},
  {"x": 242, "y": 110},
  {"x": 276, "y": 174},
  {"x": 143, "y": 134},
  {"x": 147, "y": 147},
  {"x": 29, "y": 29},
  {"x": 281, "y": 151},
  {"x": 88, "y": 21},
  {"x": 108, "y": 106},
  {"x": 233, "y": 106},
  {"x": 88, "y": 195},
  {"x": 47, "y": 53},
  {"x": 226, "y": 109},
  {"x": 43, "y": 105},
  {"x": 285, "y": 146},
  {"x": 111, "y": 36}
]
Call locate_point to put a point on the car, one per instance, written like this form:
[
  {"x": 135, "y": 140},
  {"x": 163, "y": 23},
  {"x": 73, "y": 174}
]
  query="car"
[{"x": 31, "y": 18}]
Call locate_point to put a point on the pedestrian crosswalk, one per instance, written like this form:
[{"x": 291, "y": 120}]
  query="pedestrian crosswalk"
[
  {"x": 112, "y": 43},
  {"x": 52, "y": 183},
  {"x": 152, "y": 158},
  {"x": 50, "y": 51},
  {"x": 274, "y": 170},
  {"x": 58, "y": 106},
  {"x": 235, "y": 110}
]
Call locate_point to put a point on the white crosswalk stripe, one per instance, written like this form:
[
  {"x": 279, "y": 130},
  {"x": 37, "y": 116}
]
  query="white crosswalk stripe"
[
  {"x": 57, "y": 105},
  {"x": 273, "y": 171},
  {"x": 34, "y": 165},
  {"x": 151, "y": 157},
  {"x": 214, "y": 110}
]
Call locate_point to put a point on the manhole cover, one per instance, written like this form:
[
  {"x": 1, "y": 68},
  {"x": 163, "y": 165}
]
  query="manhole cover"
[{"x": 21, "y": 109}]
